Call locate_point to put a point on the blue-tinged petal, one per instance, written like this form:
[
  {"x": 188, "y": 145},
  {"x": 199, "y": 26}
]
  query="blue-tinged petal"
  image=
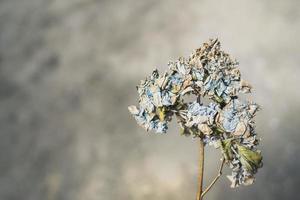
[
  {"x": 221, "y": 87},
  {"x": 198, "y": 74},
  {"x": 166, "y": 98},
  {"x": 230, "y": 124},
  {"x": 149, "y": 92},
  {"x": 210, "y": 84},
  {"x": 161, "y": 127}
]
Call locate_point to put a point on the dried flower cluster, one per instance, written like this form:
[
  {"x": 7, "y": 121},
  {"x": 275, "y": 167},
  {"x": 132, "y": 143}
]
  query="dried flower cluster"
[{"x": 226, "y": 122}]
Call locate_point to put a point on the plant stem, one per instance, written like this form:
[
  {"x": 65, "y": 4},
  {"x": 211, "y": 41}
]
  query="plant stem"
[
  {"x": 201, "y": 170},
  {"x": 215, "y": 179}
]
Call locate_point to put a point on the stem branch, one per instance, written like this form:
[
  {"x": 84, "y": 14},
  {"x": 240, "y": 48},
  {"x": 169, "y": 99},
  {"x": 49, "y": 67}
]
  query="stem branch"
[{"x": 215, "y": 179}]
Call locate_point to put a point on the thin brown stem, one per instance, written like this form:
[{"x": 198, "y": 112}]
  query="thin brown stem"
[
  {"x": 215, "y": 179},
  {"x": 201, "y": 170}
]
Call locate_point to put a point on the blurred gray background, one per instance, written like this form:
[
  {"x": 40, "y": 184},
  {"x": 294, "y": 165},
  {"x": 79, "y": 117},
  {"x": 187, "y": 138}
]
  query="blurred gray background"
[{"x": 68, "y": 71}]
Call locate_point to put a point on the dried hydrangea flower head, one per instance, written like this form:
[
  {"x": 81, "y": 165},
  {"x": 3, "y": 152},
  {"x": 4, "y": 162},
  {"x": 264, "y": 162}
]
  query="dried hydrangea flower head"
[{"x": 226, "y": 123}]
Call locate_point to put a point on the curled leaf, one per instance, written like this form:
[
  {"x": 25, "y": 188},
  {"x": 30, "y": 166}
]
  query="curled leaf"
[
  {"x": 251, "y": 160},
  {"x": 226, "y": 149}
]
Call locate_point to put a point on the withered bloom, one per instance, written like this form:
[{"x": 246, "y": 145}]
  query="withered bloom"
[{"x": 226, "y": 122}]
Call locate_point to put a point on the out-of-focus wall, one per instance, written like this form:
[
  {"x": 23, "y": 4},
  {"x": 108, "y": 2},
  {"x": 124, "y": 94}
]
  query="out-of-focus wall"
[{"x": 68, "y": 71}]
